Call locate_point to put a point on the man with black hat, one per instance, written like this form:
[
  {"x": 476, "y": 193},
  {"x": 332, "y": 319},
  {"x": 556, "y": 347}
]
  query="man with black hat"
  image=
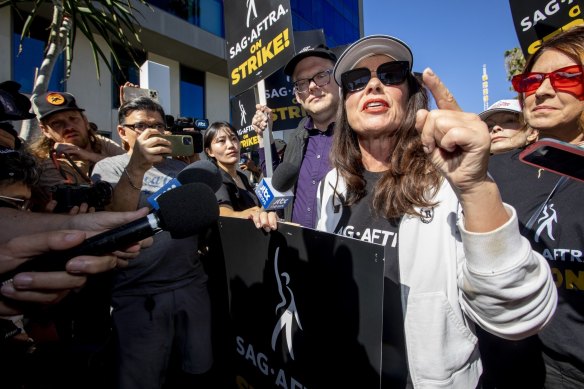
[
  {"x": 68, "y": 147},
  {"x": 308, "y": 148}
]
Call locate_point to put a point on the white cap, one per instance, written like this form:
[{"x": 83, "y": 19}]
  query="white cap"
[
  {"x": 368, "y": 46},
  {"x": 511, "y": 105}
]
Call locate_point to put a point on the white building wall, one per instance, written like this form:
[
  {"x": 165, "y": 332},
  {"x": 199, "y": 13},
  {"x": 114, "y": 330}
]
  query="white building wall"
[
  {"x": 216, "y": 98},
  {"x": 91, "y": 93}
]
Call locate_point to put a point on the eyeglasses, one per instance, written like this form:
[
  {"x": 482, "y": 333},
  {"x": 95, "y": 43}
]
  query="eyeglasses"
[
  {"x": 16, "y": 203},
  {"x": 139, "y": 127},
  {"x": 564, "y": 79},
  {"x": 389, "y": 73},
  {"x": 320, "y": 79}
]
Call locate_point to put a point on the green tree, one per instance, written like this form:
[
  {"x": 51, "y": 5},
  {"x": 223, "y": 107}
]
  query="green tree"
[
  {"x": 514, "y": 62},
  {"x": 114, "y": 20}
]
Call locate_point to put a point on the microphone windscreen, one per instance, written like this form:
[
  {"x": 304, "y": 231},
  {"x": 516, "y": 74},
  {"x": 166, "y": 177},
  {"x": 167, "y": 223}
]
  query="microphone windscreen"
[
  {"x": 203, "y": 172},
  {"x": 285, "y": 176},
  {"x": 187, "y": 210}
]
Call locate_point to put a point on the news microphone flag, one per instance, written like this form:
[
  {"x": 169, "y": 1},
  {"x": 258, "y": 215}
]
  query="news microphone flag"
[
  {"x": 172, "y": 184},
  {"x": 270, "y": 198}
]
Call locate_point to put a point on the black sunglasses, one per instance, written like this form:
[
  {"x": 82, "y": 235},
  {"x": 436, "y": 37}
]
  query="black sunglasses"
[{"x": 389, "y": 73}]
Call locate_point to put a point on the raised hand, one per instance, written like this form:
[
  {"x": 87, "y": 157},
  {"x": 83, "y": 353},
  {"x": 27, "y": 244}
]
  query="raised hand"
[{"x": 458, "y": 144}]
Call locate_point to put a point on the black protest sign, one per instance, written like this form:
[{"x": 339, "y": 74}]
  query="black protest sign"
[
  {"x": 539, "y": 20},
  {"x": 286, "y": 112},
  {"x": 242, "y": 111},
  {"x": 258, "y": 38},
  {"x": 305, "y": 307}
]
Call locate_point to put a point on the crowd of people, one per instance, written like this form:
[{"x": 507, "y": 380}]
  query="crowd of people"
[{"x": 483, "y": 254}]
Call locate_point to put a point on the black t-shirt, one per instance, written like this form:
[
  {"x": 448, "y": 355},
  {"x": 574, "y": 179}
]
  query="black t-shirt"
[
  {"x": 361, "y": 222},
  {"x": 230, "y": 194},
  {"x": 558, "y": 234}
]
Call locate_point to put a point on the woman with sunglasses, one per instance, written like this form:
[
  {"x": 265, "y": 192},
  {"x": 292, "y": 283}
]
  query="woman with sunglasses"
[
  {"x": 549, "y": 207},
  {"x": 416, "y": 182}
]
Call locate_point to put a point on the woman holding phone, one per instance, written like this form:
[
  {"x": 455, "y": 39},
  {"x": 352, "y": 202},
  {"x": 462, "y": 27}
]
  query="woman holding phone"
[{"x": 551, "y": 92}]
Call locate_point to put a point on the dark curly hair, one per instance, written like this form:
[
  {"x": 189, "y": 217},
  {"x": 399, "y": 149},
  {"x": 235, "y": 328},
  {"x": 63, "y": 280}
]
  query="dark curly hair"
[{"x": 18, "y": 166}]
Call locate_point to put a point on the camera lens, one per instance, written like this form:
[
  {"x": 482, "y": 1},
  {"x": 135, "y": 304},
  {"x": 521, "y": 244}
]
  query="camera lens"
[{"x": 187, "y": 140}]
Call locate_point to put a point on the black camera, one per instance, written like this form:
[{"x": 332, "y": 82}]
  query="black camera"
[
  {"x": 67, "y": 196},
  {"x": 188, "y": 126}
]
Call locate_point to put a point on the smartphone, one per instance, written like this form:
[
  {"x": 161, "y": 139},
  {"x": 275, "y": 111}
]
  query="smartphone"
[
  {"x": 197, "y": 139},
  {"x": 182, "y": 145},
  {"x": 131, "y": 93},
  {"x": 556, "y": 156}
]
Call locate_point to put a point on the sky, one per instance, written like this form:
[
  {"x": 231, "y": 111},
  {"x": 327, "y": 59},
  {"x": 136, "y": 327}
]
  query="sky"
[{"x": 454, "y": 38}]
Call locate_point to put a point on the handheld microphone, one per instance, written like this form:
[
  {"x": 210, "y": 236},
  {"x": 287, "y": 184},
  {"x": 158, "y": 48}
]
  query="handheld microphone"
[
  {"x": 275, "y": 192},
  {"x": 285, "y": 176},
  {"x": 203, "y": 172},
  {"x": 183, "y": 212}
]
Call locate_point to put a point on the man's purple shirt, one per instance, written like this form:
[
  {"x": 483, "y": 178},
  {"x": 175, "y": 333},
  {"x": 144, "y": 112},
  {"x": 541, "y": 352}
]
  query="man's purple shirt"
[{"x": 315, "y": 165}]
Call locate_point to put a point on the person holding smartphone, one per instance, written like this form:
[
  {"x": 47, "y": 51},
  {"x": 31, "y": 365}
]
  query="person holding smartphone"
[
  {"x": 161, "y": 300},
  {"x": 551, "y": 93}
]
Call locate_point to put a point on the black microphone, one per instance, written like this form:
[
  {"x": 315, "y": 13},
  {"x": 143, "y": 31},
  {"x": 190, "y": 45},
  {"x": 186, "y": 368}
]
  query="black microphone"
[
  {"x": 274, "y": 192},
  {"x": 184, "y": 211},
  {"x": 285, "y": 176},
  {"x": 203, "y": 172}
]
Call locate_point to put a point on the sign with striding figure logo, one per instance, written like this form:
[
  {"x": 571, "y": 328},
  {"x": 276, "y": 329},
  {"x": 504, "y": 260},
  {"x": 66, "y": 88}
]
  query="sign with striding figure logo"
[
  {"x": 305, "y": 307},
  {"x": 258, "y": 38}
]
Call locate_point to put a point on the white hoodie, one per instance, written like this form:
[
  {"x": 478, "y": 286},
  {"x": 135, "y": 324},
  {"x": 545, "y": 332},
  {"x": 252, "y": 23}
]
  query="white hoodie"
[{"x": 448, "y": 276}]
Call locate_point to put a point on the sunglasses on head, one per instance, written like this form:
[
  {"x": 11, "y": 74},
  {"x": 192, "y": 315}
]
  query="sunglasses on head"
[
  {"x": 564, "y": 79},
  {"x": 389, "y": 73}
]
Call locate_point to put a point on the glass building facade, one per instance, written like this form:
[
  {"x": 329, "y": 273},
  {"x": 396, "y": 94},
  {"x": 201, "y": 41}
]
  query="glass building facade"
[
  {"x": 26, "y": 61},
  {"x": 338, "y": 18}
]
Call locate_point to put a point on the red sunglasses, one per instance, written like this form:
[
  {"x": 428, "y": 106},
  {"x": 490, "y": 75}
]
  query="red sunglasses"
[{"x": 568, "y": 79}]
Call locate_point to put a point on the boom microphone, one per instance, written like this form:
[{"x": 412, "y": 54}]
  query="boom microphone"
[
  {"x": 274, "y": 192},
  {"x": 203, "y": 172},
  {"x": 183, "y": 212}
]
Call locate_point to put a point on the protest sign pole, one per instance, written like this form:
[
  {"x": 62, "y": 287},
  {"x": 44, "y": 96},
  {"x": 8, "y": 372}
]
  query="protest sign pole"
[{"x": 261, "y": 89}]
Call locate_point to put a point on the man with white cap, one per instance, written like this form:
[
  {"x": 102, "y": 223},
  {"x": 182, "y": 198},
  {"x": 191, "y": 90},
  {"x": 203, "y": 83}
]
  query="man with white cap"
[{"x": 507, "y": 127}]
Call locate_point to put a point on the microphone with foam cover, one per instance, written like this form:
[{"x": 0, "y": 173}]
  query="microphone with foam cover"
[
  {"x": 285, "y": 176},
  {"x": 274, "y": 192},
  {"x": 203, "y": 172},
  {"x": 183, "y": 212}
]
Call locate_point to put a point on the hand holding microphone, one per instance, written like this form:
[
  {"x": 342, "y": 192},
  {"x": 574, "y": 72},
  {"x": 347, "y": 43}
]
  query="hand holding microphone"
[
  {"x": 183, "y": 212},
  {"x": 275, "y": 192}
]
